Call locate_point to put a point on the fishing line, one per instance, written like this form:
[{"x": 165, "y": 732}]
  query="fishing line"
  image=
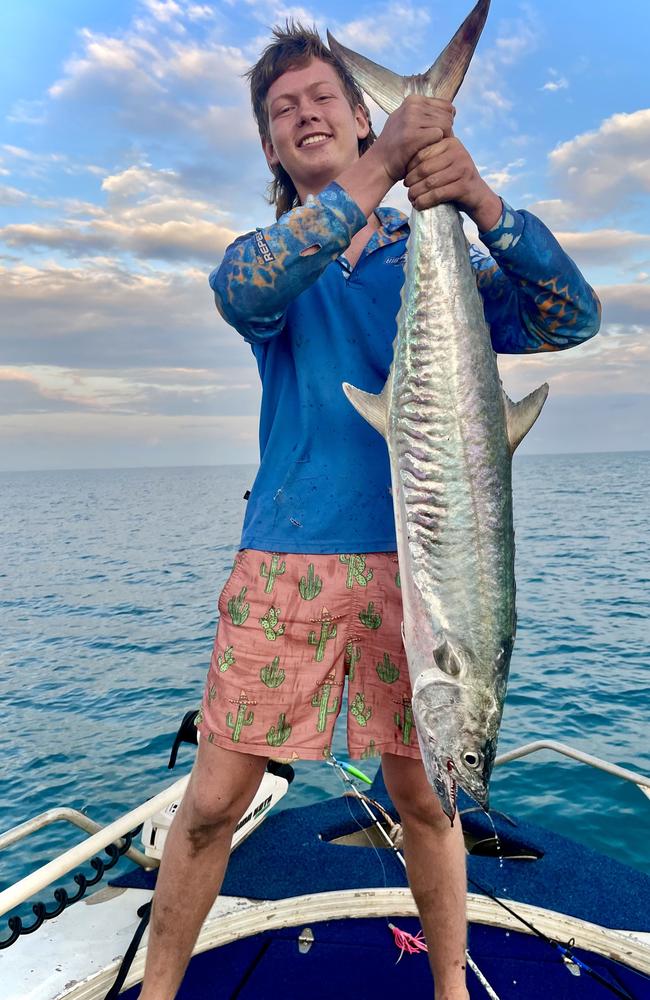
[
  {"x": 341, "y": 768},
  {"x": 565, "y": 950}
]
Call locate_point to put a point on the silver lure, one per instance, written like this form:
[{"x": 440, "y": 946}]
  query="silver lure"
[{"x": 451, "y": 432}]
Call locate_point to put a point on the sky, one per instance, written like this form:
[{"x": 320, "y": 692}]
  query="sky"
[{"x": 129, "y": 160}]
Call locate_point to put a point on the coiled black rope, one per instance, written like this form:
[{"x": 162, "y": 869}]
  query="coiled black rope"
[{"x": 63, "y": 898}]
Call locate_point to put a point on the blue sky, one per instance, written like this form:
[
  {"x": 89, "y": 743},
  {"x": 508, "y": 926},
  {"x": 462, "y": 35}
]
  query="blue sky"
[{"x": 129, "y": 160}]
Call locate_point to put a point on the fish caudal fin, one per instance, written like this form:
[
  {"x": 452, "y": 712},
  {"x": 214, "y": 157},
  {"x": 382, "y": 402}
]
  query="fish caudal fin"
[
  {"x": 521, "y": 416},
  {"x": 372, "y": 407},
  {"x": 443, "y": 79}
]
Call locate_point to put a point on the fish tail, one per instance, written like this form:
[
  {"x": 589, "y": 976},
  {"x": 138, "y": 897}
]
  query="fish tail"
[{"x": 442, "y": 79}]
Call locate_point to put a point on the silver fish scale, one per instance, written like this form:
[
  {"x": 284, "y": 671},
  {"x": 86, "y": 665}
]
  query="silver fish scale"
[{"x": 448, "y": 444}]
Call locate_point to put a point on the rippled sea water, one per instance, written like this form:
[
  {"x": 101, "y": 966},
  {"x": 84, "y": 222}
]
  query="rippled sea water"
[{"x": 109, "y": 583}]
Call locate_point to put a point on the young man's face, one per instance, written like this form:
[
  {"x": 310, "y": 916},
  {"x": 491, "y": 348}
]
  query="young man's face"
[{"x": 314, "y": 131}]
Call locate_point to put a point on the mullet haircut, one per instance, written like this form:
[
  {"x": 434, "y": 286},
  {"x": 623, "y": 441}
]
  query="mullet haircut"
[{"x": 293, "y": 48}]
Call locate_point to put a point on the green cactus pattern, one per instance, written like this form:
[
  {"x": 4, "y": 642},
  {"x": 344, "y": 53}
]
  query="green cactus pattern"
[
  {"x": 387, "y": 671},
  {"x": 277, "y": 735},
  {"x": 398, "y": 580},
  {"x": 244, "y": 718},
  {"x": 361, "y": 712},
  {"x": 277, "y": 568},
  {"x": 370, "y": 751},
  {"x": 352, "y": 657},
  {"x": 327, "y": 632},
  {"x": 238, "y": 608},
  {"x": 321, "y": 702},
  {"x": 404, "y": 721},
  {"x": 369, "y": 617},
  {"x": 311, "y": 585},
  {"x": 272, "y": 674},
  {"x": 198, "y": 719},
  {"x": 270, "y": 624},
  {"x": 356, "y": 570},
  {"x": 212, "y": 693},
  {"x": 226, "y": 660}
]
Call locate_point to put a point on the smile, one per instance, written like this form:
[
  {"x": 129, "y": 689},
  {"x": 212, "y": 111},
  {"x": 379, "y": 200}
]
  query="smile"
[{"x": 312, "y": 140}]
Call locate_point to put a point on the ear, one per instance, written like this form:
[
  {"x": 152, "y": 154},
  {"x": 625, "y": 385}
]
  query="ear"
[
  {"x": 270, "y": 153},
  {"x": 362, "y": 123}
]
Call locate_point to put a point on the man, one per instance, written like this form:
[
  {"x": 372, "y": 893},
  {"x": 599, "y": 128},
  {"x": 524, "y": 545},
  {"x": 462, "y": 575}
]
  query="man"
[{"x": 314, "y": 594}]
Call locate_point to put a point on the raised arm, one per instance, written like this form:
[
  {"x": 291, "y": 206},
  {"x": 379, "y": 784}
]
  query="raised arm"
[
  {"x": 262, "y": 272},
  {"x": 535, "y": 297}
]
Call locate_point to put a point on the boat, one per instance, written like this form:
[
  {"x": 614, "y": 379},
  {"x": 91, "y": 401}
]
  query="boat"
[{"x": 315, "y": 904}]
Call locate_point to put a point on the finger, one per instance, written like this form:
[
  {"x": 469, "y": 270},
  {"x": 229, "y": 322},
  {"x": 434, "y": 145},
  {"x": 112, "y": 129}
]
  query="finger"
[
  {"x": 435, "y": 183},
  {"x": 438, "y": 160},
  {"x": 427, "y": 138},
  {"x": 438, "y": 149},
  {"x": 438, "y": 196}
]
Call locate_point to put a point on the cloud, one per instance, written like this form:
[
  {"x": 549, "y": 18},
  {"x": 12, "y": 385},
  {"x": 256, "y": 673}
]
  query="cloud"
[
  {"x": 11, "y": 195},
  {"x": 618, "y": 357},
  {"x": 161, "y": 391},
  {"x": 557, "y": 82},
  {"x": 607, "y": 168},
  {"x": 627, "y": 304},
  {"x": 602, "y": 246},
  {"x": 63, "y": 441},
  {"x": 377, "y": 33},
  {"x": 103, "y": 315},
  {"x": 27, "y": 113},
  {"x": 147, "y": 215}
]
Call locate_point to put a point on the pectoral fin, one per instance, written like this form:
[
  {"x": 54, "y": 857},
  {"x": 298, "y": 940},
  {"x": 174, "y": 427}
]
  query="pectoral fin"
[
  {"x": 521, "y": 416},
  {"x": 372, "y": 407}
]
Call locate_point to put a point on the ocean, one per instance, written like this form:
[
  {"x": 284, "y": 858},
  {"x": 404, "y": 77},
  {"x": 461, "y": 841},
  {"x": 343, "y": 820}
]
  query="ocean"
[{"x": 109, "y": 586}]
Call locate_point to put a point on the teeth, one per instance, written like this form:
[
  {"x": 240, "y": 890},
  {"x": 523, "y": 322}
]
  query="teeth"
[{"x": 311, "y": 139}]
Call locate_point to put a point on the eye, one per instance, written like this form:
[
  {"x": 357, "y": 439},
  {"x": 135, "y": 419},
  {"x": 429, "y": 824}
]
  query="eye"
[{"x": 471, "y": 759}]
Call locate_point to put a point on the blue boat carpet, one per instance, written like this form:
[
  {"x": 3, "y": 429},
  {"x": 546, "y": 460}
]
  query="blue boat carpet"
[{"x": 289, "y": 855}]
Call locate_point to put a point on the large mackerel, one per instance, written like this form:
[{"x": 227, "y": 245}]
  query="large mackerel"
[{"x": 451, "y": 433}]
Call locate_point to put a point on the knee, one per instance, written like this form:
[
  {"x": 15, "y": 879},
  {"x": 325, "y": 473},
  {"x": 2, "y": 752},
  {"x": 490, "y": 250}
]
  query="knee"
[
  {"x": 207, "y": 816},
  {"x": 422, "y": 810}
]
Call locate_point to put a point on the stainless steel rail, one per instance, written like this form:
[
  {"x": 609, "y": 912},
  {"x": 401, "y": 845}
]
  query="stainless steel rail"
[
  {"x": 640, "y": 780},
  {"x": 64, "y": 814},
  {"x": 66, "y": 862},
  {"x": 103, "y": 836}
]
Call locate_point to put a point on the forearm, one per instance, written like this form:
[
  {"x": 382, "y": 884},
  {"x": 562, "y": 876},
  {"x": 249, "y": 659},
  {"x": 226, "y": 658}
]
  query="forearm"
[
  {"x": 535, "y": 297},
  {"x": 264, "y": 271},
  {"x": 367, "y": 180}
]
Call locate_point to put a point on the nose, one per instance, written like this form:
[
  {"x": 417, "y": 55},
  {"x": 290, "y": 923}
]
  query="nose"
[{"x": 308, "y": 113}]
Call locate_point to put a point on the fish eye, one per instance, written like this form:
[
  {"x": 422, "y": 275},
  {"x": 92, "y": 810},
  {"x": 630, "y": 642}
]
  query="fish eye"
[{"x": 471, "y": 758}]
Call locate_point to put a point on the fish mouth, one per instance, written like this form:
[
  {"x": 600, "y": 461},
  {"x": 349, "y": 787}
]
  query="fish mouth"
[{"x": 440, "y": 771}]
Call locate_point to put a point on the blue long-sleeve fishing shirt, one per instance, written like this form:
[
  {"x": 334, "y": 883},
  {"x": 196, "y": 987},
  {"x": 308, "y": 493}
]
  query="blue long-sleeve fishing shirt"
[{"x": 313, "y": 322}]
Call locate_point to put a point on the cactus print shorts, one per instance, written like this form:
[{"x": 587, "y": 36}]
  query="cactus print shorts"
[{"x": 292, "y": 628}]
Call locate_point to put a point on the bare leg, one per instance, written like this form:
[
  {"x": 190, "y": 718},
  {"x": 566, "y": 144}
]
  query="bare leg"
[
  {"x": 194, "y": 862},
  {"x": 435, "y": 862}
]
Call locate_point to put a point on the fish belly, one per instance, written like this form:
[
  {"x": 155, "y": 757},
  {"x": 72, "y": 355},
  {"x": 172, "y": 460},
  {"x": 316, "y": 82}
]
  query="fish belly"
[{"x": 450, "y": 458}]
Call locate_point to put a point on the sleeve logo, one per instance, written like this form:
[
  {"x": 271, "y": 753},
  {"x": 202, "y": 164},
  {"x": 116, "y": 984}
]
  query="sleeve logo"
[{"x": 262, "y": 247}]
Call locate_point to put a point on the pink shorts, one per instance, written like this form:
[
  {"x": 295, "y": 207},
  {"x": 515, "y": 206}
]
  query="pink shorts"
[{"x": 292, "y": 628}]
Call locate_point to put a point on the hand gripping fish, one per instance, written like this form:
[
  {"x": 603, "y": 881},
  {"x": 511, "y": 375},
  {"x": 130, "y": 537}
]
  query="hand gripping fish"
[{"x": 451, "y": 433}]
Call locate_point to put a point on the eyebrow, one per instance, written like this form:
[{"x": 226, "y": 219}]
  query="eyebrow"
[{"x": 312, "y": 86}]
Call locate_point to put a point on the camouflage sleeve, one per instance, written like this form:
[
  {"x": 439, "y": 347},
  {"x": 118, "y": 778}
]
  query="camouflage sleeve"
[
  {"x": 262, "y": 272},
  {"x": 535, "y": 297}
]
